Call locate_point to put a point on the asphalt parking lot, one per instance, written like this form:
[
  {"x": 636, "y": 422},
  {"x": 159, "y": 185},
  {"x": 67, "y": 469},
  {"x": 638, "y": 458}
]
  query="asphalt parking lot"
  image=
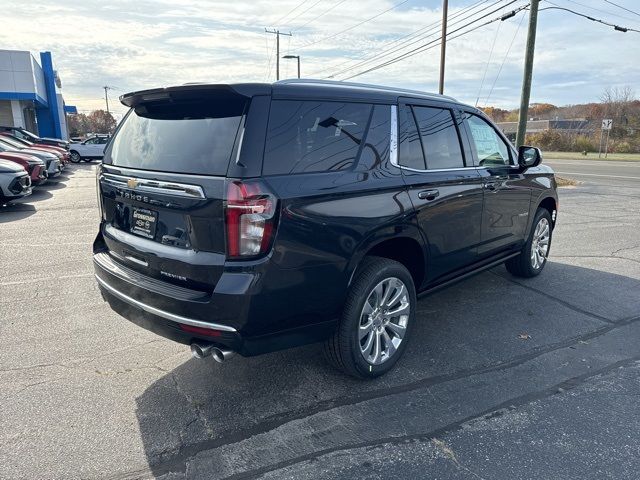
[{"x": 504, "y": 378}]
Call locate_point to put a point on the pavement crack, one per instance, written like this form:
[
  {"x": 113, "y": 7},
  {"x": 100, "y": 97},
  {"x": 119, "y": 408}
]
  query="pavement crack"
[
  {"x": 178, "y": 462},
  {"x": 491, "y": 412},
  {"x": 451, "y": 455},
  {"x": 555, "y": 299}
]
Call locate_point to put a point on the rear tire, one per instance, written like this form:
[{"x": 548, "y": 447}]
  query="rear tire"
[
  {"x": 533, "y": 256},
  {"x": 75, "y": 156},
  {"x": 377, "y": 320}
]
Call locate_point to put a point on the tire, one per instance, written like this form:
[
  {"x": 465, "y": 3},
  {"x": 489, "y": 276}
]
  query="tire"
[
  {"x": 75, "y": 156},
  {"x": 527, "y": 265},
  {"x": 347, "y": 349}
]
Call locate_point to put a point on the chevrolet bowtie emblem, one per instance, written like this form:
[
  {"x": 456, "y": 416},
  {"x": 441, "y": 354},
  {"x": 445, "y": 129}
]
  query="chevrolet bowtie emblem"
[{"x": 132, "y": 183}]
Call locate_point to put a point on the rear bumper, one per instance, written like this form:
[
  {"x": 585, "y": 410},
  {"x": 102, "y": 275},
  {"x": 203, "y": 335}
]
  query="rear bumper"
[{"x": 167, "y": 311}]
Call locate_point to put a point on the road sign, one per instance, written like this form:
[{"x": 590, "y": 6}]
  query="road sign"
[{"x": 607, "y": 123}]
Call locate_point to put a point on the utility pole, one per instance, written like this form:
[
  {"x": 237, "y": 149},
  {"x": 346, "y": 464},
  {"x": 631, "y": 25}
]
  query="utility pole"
[
  {"x": 277, "y": 33},
  {"x": 443, "y": 43},
  {"x": 528, "y": 73},
  {"x": 106, "y": 97}
]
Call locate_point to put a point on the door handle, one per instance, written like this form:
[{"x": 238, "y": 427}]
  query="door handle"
[{"x": 428, "y": 194}]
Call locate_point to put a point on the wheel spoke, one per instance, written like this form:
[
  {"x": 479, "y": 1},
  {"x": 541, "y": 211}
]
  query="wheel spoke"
[
  {"x": 367, "y": 309},
  {"x": 366, "y": 348},
  {"x": 387, "y": 292},
  {"x": 379, "y": 290},
  {"x": 390, "y": 347},
  {"x": 399, "y": 293},
  {"x": 364, "y": 329},
  {"x": 397, "y": 329},
  {"x": 403, "y": 309},
  {"x": 377, "y": 348}
]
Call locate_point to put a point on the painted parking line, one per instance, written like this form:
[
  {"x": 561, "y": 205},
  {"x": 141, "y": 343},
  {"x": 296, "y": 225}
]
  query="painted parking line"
[{"x": 628, "y": 177}]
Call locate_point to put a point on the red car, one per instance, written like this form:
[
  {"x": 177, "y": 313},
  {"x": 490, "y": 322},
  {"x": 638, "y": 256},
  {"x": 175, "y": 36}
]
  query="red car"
[
  {"x": 20, "y": 143},
  {"x": 33, "y": 165}
]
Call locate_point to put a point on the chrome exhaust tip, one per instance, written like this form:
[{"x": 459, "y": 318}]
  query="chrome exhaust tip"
[
  {"x": 200, "y": 351},
  {"x": 220, "y": 355}
]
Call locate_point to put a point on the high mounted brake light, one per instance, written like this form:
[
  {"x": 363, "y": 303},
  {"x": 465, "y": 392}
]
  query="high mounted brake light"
[{"x": 250, "y": 214}]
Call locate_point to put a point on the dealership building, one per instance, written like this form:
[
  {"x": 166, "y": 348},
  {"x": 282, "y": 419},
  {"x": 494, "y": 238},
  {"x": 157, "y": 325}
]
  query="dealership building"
[{"x": 30, "y": 94}]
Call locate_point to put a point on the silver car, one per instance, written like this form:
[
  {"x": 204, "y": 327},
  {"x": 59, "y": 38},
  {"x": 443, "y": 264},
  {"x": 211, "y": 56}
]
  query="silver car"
[{"x": 14, "y": 182}]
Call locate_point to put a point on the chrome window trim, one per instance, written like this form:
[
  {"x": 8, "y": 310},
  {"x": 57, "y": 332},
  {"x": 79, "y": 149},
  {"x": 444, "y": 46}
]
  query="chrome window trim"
[
  {"x": 162, "y": 313},
  {"x": 154, "y": 186},
  {"x": 394, "y": 158},
  {"x": 393, "y": 137}
]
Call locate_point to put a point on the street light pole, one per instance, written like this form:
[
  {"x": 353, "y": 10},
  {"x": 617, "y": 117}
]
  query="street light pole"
[
  {"x": 443, "y": 44},
  {"x": 528, "y": 73},
  {"x": 297, "y": 57}
]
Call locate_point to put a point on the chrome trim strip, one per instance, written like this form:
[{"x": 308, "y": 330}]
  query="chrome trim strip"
[
  {"x": 161, "y": 313},
  {"x": 154, "y": 186},
  {"x": 393, "y": 142}
]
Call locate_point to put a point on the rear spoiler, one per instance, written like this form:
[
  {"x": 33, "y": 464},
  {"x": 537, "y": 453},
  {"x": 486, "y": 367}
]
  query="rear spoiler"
[{"x": 194, "y": 90}]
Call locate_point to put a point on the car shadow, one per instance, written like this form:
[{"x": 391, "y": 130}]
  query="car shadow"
[
  {"x": 487, "y": 320},
  {"x": 16, "y": 211}
]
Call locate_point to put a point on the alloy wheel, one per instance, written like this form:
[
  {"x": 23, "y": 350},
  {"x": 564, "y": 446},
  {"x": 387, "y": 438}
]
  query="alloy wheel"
[
  {"x": 383, "y": 321},
  {"x": 540, "y": 244}
]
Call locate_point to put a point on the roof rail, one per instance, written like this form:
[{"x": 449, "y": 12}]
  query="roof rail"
[{"x": 338, "y": 83}]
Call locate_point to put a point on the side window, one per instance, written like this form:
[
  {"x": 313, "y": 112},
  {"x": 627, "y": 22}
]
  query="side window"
[
  {"x": 91, "y": 141},
  {"x": 489, "y": 147},
  {"x": 375, "y": 150},
  {"x": 440, "y": 140},
  {"x": 304, "y": 137},
  {"x": 410, "y": 149}
]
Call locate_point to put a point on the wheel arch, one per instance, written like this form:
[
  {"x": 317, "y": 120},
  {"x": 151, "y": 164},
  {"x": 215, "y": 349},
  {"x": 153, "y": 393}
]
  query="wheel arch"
[{"x": 405, "y": 248}]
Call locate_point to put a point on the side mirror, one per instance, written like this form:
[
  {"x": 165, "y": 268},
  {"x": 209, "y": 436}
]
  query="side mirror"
[{"x": 529, "y": 156}]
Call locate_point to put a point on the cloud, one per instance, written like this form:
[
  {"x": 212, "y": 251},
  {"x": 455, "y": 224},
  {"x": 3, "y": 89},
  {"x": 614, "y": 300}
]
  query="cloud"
[{"x": 137, "y": 44}]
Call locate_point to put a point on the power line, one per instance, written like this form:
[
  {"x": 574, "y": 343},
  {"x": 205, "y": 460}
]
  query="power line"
[
  {"x": 321, "y": 15},
  {"x": 277, "y": 22},
  {"x": 623, "y": 8},
  {"x": 302, "y": 13},
  {"x": 600, "y": 10},
  {"x": 486, "y": 68},
  {"x": 434, "y": 28},
  {"x": 504, "y": 60},
  {"x": 352, "y": 27},
  {"x": 402, "y": 40},
  {"x": 616, "y": 27},
  {"x": 435, "y": 43}
]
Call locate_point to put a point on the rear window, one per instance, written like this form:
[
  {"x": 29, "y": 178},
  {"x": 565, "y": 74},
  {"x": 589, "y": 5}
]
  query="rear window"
[
  {"x": 304, "y": 137},
  {"x": 195, "y": 136}
]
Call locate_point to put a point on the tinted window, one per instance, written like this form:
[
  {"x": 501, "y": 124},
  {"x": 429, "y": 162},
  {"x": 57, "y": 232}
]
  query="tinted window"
[
  {"x": 313, "y": 136},
  {"x": 375, "y": 150},
  {"x": 439, "y": 138},
  {"x": 489, "y": 147},
  {"x": 410, "y": 149},
  {"x": 195, "y": 136}
]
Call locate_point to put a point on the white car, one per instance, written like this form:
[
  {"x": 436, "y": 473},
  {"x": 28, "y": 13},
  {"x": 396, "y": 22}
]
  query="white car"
[
  {"x": 92, "y": 148},
  {"x": 14, "y": 182}
]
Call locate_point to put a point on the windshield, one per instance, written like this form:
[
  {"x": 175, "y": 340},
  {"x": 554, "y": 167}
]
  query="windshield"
[
  {"x": 193, "y": 136},
  {"x": 11, "y": 142}
]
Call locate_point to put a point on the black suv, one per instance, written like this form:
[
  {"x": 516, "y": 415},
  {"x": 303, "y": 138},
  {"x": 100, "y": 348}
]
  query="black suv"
[{"x": 254, "y": 217}]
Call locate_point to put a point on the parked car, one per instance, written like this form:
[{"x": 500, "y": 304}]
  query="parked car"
[
  {"x": 32, "y": 137},
  {"x": 35, "y": 167},
  {"x": 91, "y": 149},
  {"x": 14, "y": 182},
  {"x": 61, "y": 153},
  {"x": 54, "y": 167},
  {"x": 308, "y": 211}
]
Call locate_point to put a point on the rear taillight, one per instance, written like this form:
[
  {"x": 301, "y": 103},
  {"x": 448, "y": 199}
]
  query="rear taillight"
[{"x": 250, "y": 214}]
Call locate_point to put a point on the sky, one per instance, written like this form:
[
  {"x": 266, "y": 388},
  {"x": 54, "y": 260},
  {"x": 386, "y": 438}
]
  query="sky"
[{"x": 137, "y": 44}]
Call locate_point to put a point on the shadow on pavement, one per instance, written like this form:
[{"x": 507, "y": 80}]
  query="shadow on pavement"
[{"x": 485, "y": 321}]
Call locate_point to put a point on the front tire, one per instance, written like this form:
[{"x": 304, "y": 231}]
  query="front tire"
[
  {"x": 75, "y": 157},
  {"x": 533, "y": 256},
  {"x": 377, "y": 320}
]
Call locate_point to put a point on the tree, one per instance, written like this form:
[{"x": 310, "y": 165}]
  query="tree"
[
  {"x": 101, "y": 121},
  {"x": 79, "y": 125}
]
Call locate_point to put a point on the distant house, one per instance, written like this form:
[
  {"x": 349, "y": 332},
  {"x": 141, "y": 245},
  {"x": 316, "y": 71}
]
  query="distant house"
[{"x": 570, "y": 125}]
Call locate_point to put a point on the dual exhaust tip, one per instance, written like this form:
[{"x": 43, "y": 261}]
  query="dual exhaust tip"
[{"x": 201, "y": 351}]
